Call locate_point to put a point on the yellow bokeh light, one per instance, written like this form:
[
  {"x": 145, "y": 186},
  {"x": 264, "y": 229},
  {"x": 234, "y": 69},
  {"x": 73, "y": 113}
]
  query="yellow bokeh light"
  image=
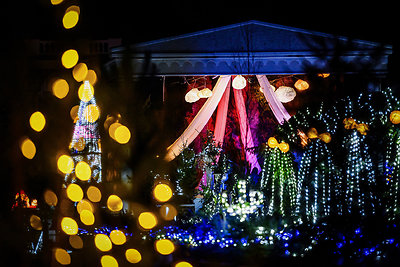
[
  {"x": 69, "y": 58},
  {"x": 122, "y": 134},
  {"x": 164, "y": 246},
  {"x": 62, "y": 256},
  {"x": 133, "y": 256},
  {"x": 91, "y": 113},
  {"x": 162, "y": 192},
  {"x": 35, "y": 222},
  {"x": 80, "y": 144},
  {"x": 168, "y": 212},
  {"x": 37, "y": 121},
  {"x": 60, "y": 88},
  {"x": 83, "y": 171},
  {"x": 147, "y": 220},
  {"x": 28, "y": 148},
  {"x": 84, "y": 204},
  {"x": 69, "y": 226},
  {"x": 74, "y": 192},
  {"x": 74, "y": 113},
  {"x": 94, "y": 194},
  {"x": 65, "y": 164},
  {"x": 80, "y": 71},
  {"x": 70, "y": 19},
  {"x": 117, "y": 237},
  {"x": 87, "y": 217},
  {"x": 183, "y": 264},
  {"x": 108, "y": 261},
  {"x": 50, "y": 198},
  {"x": 75, "y": 242},
  {"x": 112, "y": 128},
  {"x": 56, "y": 2},
  {"x": 114, "y": 203},
  {"x": 85, "y": 91},
  {"x": 102, "y": 242},
  {"x": 91, "y": 77}
]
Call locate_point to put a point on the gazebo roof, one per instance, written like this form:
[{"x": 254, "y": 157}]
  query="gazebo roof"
[{"x": 251, "y": 47}]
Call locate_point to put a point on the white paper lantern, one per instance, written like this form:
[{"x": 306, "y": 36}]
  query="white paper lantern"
[
  {"x": 192, "y": 95},
  {"x": 285, "y": 94},
  {"x": 204, "y": 93},
  {"x": 239, "y": 82}
]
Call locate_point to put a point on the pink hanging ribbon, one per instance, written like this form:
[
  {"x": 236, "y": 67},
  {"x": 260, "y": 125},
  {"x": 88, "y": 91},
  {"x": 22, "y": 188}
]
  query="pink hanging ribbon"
[{"x": 245, "y": 132}]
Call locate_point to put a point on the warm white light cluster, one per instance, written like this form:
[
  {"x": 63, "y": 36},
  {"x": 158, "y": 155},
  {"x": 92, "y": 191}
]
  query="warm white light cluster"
[
  {"x": 242, "y": 208},
  {"x": 195, "y": 94}
]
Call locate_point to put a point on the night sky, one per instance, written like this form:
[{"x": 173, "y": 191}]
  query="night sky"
[{"x": 137, "y": 21}]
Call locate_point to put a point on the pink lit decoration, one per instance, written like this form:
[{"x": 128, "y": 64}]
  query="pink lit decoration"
[
  {"x": 245, "y": 132},
  {"x": 199, "y": 121},
  {"x": 222, "y": 112}
]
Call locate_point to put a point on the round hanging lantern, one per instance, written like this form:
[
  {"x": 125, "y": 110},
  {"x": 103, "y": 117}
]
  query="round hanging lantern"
[
  {"x": 272, "y": 142},
  {"x": 395, "y": 117},
  {"x": 192, "y": 95},
  {"x": 301, "y": 85},
  {"x": 285, "y": 94},
  {"x": 239, "y": 82},
  {"x": 312, "y": 133},
  {"x": 204, "y": 93},
  {"x": 284, "y": 147},
  {"x": 325, "y": 137}
]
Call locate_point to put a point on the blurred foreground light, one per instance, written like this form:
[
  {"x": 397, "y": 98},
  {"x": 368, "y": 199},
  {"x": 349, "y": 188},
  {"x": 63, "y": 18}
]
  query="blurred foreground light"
[
  {"x": 122, "y": 134},
  {"x": 80, "y": 144},
  {"x": 74, "y": 113},
  {"x": 93, "y": 193},
  {"x": 85, "y": 91},
  {"x": 133, "y": 256},
  {"x": 118, "y": 237},
  {"x": 84, "y": 204},
  {"x": 114, "y": 203},
  {"x": 91, "y": 113},
  {"x": 168, "y": 212},
  {"x": 69, "y": 226},
  {"x": 79, "y": 72},
  {"x": 164, "y": 246},
  {"x": 91, "y": 77},
  {"x": 71, "y": 17},
  {"x": 28, "y": 148},
  {"x": 37, "y": 121},
  {"x": 50, "y": 198},
  {"x": 56, "y": 2},
  {"x": 113, "y": 127},
  {"x": 83, "y": 171},
  {"x": 147, "y": 220},
  {"x": 74, "y": 192},
  {"x": 35, "y": 222},
  {"x": 87, "y": 217},
  {"x": 102, "y": 242},
  {"x": 69, "y": 58},
  {"x": 162, "y": 192},
  {"x": 60, "y": 88},
  {"x": 75, "y": 242},
  {"x": 65, "y": 164},
  {"x": 183, "y": 264},
  {"x": 62, "y": 256},
  {"x": 108, "y": 261}
]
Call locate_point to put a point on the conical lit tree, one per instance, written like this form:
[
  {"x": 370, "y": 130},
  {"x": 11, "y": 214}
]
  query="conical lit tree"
[{"x": 85, "y": 145}]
